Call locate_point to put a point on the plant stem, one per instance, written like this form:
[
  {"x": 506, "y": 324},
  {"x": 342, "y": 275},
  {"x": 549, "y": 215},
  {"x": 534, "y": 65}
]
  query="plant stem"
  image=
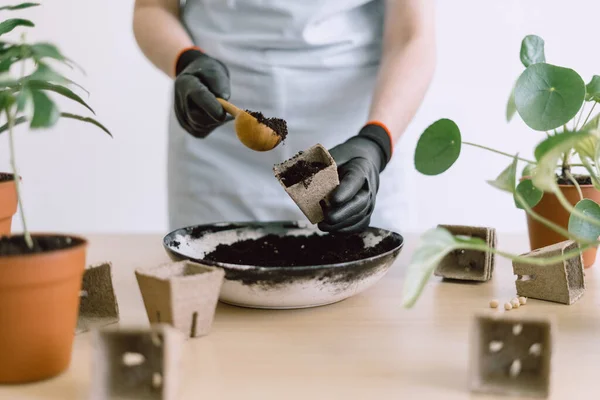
[
  {"x": 590, "y": 171},
  {"x": 541, "y": 261},
  {"x": 498, "y": 152},
  {"x": 17, "y": 178},
  {"x": 589, "y": 115},
  {"x": 574, "y": 182},
  {"x": 579, "y": 118},
  {"x": 550, "y": 224}
]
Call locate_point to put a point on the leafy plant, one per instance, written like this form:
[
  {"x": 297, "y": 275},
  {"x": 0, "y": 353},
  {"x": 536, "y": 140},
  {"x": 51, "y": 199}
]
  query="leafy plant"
[
  {"x": 549, "y": 99},
  {"x": 25, "y": 98}
]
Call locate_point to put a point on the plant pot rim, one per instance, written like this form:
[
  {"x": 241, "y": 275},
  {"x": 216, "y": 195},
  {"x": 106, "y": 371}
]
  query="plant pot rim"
[
  {"x": 83, "y": 242},
  {"x": 9, "y": 181}
]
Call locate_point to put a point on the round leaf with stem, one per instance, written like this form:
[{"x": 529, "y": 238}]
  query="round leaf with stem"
[
  {"x": 582, "y": 227},
  {"x": 529, "y": 193},
  {"x": 548, "y": 96},
  {"x": 438, "y": 147}
]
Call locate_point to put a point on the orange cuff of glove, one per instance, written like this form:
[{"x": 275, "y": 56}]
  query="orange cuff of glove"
[{"x": 185, "y": 56}]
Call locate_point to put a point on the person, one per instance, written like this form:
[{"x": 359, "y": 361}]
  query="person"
[{"x": 348, "y": 74}]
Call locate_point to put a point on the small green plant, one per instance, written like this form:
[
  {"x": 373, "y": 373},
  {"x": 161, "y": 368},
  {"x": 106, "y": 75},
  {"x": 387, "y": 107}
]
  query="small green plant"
[
  {"x": 553, "y": 101},
  {"x": 24, "y": 98}
]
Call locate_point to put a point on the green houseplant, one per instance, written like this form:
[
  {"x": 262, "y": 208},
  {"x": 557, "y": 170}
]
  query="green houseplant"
[
  {"x": 40, "y": 274},
  {"x": 555, "y": 102}
]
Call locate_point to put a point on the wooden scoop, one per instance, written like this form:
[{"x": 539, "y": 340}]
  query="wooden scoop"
[{"x": 251, "y": 133}]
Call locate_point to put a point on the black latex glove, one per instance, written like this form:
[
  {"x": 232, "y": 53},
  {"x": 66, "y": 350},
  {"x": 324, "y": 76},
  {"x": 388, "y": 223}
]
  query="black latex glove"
[
  {"x": 200, "y": 80},
  {"x": 360, "y": 160}
]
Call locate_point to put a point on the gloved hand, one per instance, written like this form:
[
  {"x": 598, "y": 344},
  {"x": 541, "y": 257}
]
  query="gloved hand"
[
  {"x": 360, "y": 160},
  {"x": 200, "y": 79}
]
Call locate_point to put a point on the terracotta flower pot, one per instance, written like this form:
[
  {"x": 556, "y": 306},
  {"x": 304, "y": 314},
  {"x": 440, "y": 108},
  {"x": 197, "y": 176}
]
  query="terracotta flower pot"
[
  {"x": 39, "y": 302},
  {"x": 8, "y": 202},
  {"x": 550, "y": 208}
]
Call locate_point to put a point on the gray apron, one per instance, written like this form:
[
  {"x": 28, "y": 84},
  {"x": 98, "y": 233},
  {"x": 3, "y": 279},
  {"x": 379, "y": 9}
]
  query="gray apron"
[{"x": 311, "y": 62}]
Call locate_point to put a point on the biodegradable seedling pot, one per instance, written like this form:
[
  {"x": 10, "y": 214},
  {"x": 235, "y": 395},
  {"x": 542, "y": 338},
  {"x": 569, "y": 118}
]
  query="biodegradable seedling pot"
[
  {"x": 8, "y": 202},
  {"x": 183, "y": 294},
  {"x": 550, "y": 208},
  {"x": 308, "y": 192},
  {"x": 39, "y": 302},
  {"x": 562, "y": 282},
  {"x": 98, "y": 304},
  {"x": 469, "y": 265},
  {"x": 136, "y": 364},
  {"x": 511, "y": 355}
]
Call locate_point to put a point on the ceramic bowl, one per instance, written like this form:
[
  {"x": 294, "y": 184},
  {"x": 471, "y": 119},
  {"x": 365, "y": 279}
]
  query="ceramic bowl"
[{"x": 282, "y": 287}]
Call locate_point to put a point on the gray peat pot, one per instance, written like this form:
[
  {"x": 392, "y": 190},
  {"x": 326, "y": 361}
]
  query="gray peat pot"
[
  {"x": 309, "y": 193},
  {"x": 282, "y": 287}
]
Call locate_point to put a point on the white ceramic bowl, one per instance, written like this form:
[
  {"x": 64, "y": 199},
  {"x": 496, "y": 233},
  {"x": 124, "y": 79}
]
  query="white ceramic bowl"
[{"x": 282, "y": 287}]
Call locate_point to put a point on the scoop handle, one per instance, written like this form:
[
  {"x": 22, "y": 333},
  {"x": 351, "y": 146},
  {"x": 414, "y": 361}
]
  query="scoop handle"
[{"x": 230, "y": 108}]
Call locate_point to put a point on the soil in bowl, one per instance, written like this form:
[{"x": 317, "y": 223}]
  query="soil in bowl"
[
  {"x": 16, "y": 245},
  {"x": 278, "y": 125},
  {"x": 292, "y": 251},
  {"x": 302, "y": 171}
]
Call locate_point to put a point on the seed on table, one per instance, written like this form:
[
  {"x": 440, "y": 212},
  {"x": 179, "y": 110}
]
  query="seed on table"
[
  {"x": 523, "y": 300},
  {"x": 494, "y": 303},
  {"x": 515, "y": 303},
  {"x": 507, "y": 306}
]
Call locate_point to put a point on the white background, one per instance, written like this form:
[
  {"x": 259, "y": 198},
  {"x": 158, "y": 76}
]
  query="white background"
[{"x": 77, "y": 179}]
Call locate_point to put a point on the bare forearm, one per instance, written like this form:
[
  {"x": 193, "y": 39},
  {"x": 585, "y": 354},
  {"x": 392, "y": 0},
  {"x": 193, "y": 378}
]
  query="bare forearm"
[
  {"x": 159, "y": 33},
  {"x": 406, "y": 70}
]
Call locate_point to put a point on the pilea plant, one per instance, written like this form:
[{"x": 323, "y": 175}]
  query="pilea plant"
[
  {"x": 27, "y": 76},
  {"x": 555, "y": 102}
]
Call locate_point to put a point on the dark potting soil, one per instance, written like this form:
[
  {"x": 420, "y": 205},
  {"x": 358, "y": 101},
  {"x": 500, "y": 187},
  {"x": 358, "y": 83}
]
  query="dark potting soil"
[
  {"x": 292, "y": 251},
  {"x": 4, "y": 177},
  {"x": 581, "y": 179},
  {"x": 278, "y": 125},
  {"x": 16, "y": 245},
  {"x": 301, "y": 171}
]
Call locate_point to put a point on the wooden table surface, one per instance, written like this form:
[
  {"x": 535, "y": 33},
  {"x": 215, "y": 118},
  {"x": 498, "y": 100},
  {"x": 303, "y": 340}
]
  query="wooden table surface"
[{"x": 366, "y": 347}]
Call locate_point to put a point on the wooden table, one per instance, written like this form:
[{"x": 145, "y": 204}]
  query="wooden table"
[{"x": 366, "y": 347}]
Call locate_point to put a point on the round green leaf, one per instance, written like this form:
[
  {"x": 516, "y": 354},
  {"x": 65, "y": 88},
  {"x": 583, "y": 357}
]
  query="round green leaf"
[
  {"x": 581, "y": 227},
  {"x": 547, "y": 96},
  {"x": 592, "y": 89},
  {"x": 532, "y": 50},
  {"x": 438, "y": 147},
  {"x": 528, "y": 193}
]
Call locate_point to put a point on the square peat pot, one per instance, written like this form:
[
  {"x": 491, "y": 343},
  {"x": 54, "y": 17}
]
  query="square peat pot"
[
  {"x": 469, "y": 265},
  {"x": 136, "y": 364},
  {"x": 183, "y": 294},
  {"x": 511, "y": 355},
  {"x": 561, "y": 282},
  {"x": 309, "y": 178},
  {"x": 98, "y": 303}
]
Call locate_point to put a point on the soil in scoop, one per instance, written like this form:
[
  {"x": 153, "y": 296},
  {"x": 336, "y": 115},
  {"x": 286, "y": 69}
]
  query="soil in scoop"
[
  {"x": 16, "y": 245},
  {"x": 278, "y": 125},
  {"x": 292, "y": 251},
  {"x": 4, "y": 177},
  {"x": 302, "y": 171}
]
